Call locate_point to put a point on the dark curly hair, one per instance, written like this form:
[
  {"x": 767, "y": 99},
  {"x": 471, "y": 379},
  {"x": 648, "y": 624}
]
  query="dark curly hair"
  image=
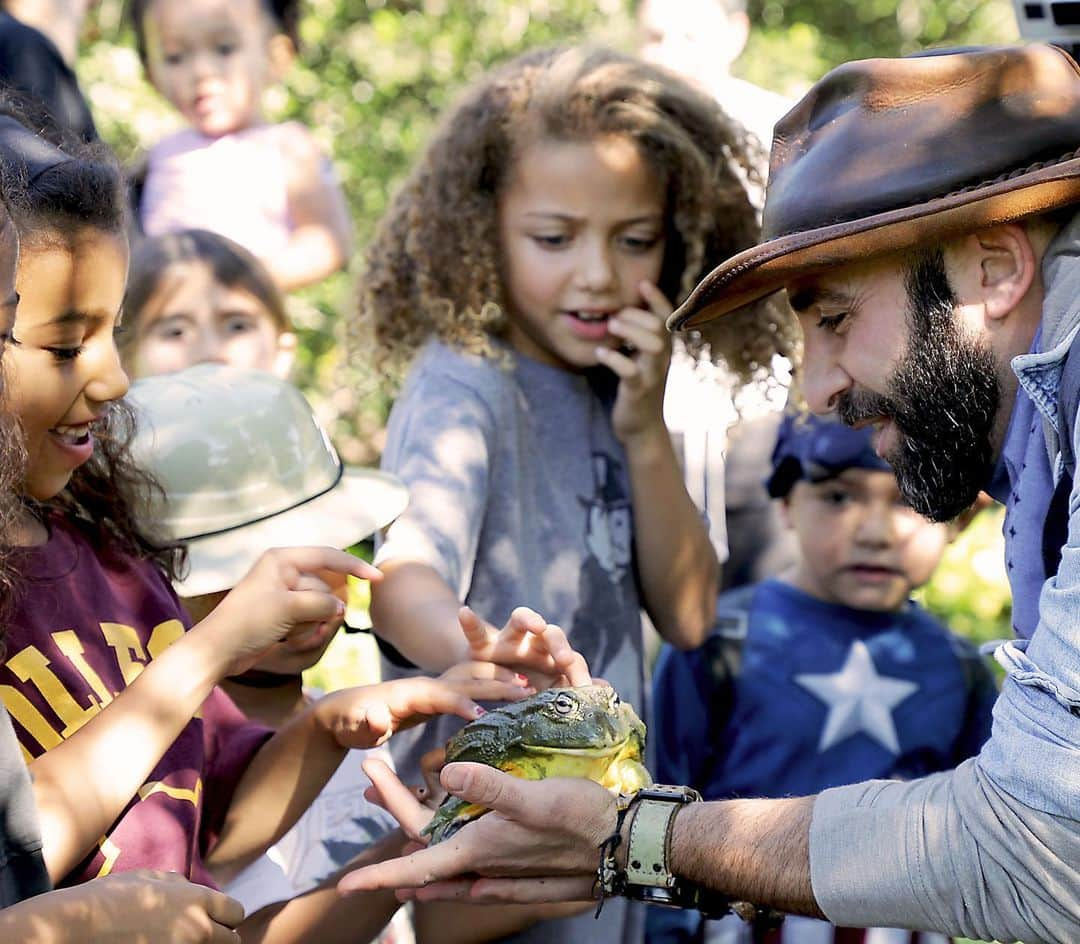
[
  {"x": 284, "y": 15},
  {"x": 433, "y": 266},
  {"x": 57, "y": 193}
]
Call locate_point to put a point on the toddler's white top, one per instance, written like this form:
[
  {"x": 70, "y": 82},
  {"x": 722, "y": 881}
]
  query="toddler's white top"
[{"x": 235, "y": 185}]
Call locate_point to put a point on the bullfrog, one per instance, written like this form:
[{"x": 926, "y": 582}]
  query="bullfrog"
[{"x": 561, "y": 732}]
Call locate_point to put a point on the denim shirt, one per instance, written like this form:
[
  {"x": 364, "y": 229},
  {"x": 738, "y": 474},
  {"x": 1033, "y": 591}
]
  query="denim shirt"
[{"x": 1034, "y": 753}]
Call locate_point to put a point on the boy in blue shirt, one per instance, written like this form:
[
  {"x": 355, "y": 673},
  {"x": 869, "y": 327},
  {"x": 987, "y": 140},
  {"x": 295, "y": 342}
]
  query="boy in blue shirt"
[{"x": 827, "y": 675}]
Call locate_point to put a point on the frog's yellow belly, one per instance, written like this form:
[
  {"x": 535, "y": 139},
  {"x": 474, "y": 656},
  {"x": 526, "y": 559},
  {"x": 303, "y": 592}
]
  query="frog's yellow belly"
[{"x": 618, "y": 769}]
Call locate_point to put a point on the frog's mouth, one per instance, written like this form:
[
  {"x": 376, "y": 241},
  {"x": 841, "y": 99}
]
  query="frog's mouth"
[{"x": 575, "y": 751}]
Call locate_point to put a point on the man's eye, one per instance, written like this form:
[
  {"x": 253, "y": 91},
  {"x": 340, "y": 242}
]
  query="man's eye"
[
  {"x": 831, "y": 322},
  {"x": 64, "y": 353},
  {"x": 834, "y": 497}
]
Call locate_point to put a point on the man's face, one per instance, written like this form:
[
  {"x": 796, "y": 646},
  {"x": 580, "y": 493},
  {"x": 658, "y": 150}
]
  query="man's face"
[{"x": 884, "y": 346}]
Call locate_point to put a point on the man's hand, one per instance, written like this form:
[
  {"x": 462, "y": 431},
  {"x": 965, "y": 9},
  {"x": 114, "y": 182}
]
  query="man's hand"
[
  {"x": 526, "y": 644},
  {"x": 367, "y": 716},
  {"x": 539, "y": 843}
]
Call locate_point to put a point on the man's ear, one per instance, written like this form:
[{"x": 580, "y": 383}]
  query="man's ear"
[
  {"x": 282, "y": 54},
  {"x": 1002, "y": 266}
]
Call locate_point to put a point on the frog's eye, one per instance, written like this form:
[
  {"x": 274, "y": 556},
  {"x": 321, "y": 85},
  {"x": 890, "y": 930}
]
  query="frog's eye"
[{"x": 564, "y": 704}]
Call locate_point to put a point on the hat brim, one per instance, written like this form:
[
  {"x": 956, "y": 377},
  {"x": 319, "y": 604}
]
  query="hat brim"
[
  {"x": 770, "y": 266},
  {"x": 361, "y": 503}
]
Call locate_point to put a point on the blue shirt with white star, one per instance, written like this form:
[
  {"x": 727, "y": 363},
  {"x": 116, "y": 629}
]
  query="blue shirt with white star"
[{"x": 826, "y": 695}]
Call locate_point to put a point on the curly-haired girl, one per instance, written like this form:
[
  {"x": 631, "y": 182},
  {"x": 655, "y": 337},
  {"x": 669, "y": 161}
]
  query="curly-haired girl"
[{"x": 525, "y": 271}]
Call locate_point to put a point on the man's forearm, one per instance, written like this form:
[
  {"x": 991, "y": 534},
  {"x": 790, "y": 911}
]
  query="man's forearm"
[{"x": 750, "y": 850}]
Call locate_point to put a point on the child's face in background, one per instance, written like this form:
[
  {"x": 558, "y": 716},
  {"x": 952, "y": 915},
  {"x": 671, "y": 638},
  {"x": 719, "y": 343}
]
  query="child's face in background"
[
  {"x": 581, "y": 226},
  {"x": 860, "y": 544},
  {"x": 192, "y": 319},
  {"x": 63, "y": 368},
  {"x": 212, "y": 60}
]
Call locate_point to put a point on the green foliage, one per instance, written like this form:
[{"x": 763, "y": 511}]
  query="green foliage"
[{"x": 794, "y": 41}]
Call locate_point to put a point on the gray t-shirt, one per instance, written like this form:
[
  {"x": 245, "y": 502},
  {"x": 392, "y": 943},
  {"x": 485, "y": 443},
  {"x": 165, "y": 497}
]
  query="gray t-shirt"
[
  {"x": 22, "y": 866},
  {"x": 518, "y": 495}
]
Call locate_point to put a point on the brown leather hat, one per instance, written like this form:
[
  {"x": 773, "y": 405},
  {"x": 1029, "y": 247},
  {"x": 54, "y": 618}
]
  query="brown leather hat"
[{"x": 885, "y": 154}]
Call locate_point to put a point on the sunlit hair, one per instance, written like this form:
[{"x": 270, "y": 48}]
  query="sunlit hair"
[
  {"x": 284, "y": 16},
  {"x": 433, "y": 267},
  {"x": 230, "y": 264},
  {"x": 53, "y": 204}
]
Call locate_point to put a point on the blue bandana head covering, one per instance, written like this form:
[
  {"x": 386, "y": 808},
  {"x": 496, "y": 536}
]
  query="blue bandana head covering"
[{"x": 816, "y": 448}]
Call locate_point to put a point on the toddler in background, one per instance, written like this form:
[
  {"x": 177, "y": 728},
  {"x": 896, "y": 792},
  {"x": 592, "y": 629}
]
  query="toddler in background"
[
  {"x": 523, "y": 275},
  {"x": 194, "y": 296},
  {"x": 266, "y": 186},
  {"x": 827, "y": 675}
]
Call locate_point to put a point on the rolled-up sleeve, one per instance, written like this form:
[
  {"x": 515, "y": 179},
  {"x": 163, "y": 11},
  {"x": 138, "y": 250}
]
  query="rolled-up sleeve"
[{"x": 950, "y": 853}]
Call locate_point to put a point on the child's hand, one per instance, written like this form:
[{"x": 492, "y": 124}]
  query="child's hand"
[
  {"x": 526, "y": 644},
  {"x": 295, "y": 594},
  {"x": 365, "y": 717},
  {"x": 150, "y": 906},
  {"x": 641, "y": 365}
]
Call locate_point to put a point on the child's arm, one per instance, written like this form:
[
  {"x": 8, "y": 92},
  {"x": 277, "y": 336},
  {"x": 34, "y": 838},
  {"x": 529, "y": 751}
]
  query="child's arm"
[
  {"x": 676, "y": 561},
  {"x": 136, "y": 906},
  {"x": 83, "y": 784},
  {"x": 291, "y": 769},
  {"x": 321, "y": 237}
]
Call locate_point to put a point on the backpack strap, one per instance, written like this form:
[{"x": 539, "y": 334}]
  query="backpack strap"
[
  {"x": 721, "y": 662},
  {"x": 1056, "y": 526}
]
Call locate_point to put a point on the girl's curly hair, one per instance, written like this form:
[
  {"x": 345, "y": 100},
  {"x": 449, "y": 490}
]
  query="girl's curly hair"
[
  {"x": 56, "y": 193},
  {"x": 433, "y": 267}
]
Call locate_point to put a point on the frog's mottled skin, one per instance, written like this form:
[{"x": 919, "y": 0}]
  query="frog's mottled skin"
[{"x": 562, "y": 732}]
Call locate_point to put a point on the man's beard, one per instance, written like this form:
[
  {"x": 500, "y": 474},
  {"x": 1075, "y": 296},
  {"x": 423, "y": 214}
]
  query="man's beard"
[{"x": 943, "y": 399}]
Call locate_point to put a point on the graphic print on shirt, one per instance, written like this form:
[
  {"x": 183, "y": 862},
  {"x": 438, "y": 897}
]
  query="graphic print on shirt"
[
  {"x": 606, "y": 595},
  {"x": 859, "y": 700}
]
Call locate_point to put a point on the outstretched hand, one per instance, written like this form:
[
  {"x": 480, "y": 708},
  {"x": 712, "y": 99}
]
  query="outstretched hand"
[
  {"x": 367, "y": 716},
  {"x": 538, "y": 844},
  {"x": 526, "y": 644}
]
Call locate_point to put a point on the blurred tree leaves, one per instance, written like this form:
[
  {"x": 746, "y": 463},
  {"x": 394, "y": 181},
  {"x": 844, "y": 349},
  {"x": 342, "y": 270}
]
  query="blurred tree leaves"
[{"x": 794, "y": 41}]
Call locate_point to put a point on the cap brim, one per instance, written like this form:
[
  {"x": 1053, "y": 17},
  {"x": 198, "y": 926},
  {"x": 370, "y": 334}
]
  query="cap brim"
[
  {"x": 769, "y": 267},
  {"x": 362, "y": 502}
]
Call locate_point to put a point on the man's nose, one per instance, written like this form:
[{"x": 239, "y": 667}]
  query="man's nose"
[{"x": 823, "y": 377}]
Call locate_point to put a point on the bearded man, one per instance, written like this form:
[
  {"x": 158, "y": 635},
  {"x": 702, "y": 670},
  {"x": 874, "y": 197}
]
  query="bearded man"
[{"x": 923, "y": 216}]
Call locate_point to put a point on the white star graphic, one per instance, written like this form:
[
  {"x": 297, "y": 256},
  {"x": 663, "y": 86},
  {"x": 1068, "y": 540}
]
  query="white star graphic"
[{"x": 858, "y": 700}]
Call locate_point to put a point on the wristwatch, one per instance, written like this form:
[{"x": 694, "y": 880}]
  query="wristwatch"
[{"x": 647, "y": 876}]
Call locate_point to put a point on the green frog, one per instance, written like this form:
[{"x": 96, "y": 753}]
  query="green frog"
[{"x": 562, "y": 732}]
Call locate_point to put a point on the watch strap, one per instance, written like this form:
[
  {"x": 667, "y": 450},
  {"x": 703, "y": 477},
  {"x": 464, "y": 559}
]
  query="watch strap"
[{"x": 650, "y": 840}]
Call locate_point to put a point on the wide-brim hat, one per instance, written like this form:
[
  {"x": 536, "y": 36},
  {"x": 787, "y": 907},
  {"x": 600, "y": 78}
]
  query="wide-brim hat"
[
  {"x": 246, "y": 466},
  {"x": 883, "y": 155}
]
